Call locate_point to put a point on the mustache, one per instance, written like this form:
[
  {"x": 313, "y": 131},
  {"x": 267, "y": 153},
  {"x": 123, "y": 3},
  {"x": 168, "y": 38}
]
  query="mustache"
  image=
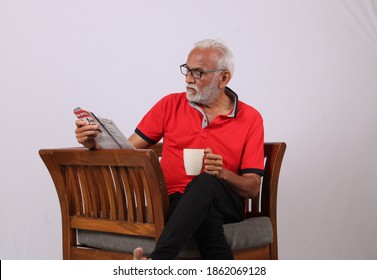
[{"x": 192, "y": 86}]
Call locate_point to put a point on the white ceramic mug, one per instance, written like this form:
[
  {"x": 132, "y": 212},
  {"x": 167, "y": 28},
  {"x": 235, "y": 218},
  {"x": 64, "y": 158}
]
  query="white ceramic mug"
[{"x": 193, "y": 161}]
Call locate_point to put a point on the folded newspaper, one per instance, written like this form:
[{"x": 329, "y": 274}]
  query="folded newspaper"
[{"x": 110, "y": 137}]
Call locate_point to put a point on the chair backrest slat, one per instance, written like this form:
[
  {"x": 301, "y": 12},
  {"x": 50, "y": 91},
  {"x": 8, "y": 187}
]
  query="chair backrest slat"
[
  {"x": 73, "y": 191},
  {"x": 93, "y": 193},
  {"x": 119, "y": 194},
  {"x": 129, "y": 196}
]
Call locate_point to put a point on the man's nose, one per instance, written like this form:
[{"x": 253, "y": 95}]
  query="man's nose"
[{"x": 189, "y": 78}]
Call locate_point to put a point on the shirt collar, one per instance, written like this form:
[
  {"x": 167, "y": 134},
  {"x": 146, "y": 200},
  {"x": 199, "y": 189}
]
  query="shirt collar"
[
  {"x": 233, "y": 114},
  {"x": 233, "y": 96}
]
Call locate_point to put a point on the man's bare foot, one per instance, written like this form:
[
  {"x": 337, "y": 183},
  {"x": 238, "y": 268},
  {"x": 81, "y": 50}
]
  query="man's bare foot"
[{"x": 138, "y": 254}]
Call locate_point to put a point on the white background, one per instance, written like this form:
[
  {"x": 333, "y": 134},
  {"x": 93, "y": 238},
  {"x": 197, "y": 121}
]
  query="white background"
[{"x": 310, "y": 68}]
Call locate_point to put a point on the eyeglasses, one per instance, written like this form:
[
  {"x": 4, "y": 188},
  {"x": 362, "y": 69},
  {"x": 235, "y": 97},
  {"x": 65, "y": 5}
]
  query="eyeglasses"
[{"x": 196, "y": 73}]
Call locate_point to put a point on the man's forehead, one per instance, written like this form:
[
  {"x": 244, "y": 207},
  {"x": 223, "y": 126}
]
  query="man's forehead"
[{"x": 202, "y": 58}]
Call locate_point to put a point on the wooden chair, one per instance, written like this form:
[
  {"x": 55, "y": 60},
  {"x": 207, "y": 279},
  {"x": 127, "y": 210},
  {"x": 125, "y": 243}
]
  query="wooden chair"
[{"x": 123, "y": 192}]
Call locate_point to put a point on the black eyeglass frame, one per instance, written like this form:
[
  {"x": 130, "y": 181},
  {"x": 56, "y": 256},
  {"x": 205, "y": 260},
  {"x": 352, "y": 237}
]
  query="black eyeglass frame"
[{"x": 185, "y": 71}]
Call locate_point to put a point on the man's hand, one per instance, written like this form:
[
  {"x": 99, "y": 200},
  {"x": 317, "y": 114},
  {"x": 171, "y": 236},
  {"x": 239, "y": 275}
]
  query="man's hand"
[
  {"x": 86, "y": 133},
  {"x": 247, "y": 185},
  {"x": 213, "y": 164}
]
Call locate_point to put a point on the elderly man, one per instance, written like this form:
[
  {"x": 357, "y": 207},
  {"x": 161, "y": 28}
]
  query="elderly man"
[{"x": 209, "y": 116}]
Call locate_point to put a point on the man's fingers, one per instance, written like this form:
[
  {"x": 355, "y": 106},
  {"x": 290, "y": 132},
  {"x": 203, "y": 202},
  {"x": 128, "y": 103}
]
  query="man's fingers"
[{"x": 81, "y": 122}]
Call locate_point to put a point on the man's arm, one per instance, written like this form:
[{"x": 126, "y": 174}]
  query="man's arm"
[
  {"x": 246, "y": 186},
  {"x": 138, "y": 142}
]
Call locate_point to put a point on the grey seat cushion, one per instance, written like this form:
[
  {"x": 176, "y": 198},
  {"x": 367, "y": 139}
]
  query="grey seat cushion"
[{"x": 253, "y": 232}]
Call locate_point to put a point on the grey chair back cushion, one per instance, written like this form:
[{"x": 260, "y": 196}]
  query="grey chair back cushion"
[{"x": 250, "y": 233}]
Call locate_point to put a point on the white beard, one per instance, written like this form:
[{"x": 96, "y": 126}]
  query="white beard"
[{"x": 206, "y": 96}]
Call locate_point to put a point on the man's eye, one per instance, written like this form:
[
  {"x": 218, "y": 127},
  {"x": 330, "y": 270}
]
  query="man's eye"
[{"x": 196, "y": 73}]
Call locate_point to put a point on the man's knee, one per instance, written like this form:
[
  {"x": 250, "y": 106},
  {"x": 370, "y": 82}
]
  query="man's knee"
[{"x": 203, "y": 182}]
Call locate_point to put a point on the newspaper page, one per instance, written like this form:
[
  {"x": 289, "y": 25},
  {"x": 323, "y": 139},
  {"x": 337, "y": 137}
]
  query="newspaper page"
[{"x": 110, "y": 137}]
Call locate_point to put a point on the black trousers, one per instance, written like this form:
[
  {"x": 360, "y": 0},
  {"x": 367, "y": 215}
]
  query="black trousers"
[{"x": 200, "y": 213}]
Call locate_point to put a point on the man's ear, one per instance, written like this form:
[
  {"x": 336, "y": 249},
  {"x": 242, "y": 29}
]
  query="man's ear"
[{"x": 225, "y": 78}]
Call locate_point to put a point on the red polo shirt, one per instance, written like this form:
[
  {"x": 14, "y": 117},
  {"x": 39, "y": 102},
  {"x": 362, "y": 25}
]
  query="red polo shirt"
[{"x": 237, "y": 137}]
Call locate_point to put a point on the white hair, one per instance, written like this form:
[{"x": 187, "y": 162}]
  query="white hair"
[{"x": 226, "y": 60}]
